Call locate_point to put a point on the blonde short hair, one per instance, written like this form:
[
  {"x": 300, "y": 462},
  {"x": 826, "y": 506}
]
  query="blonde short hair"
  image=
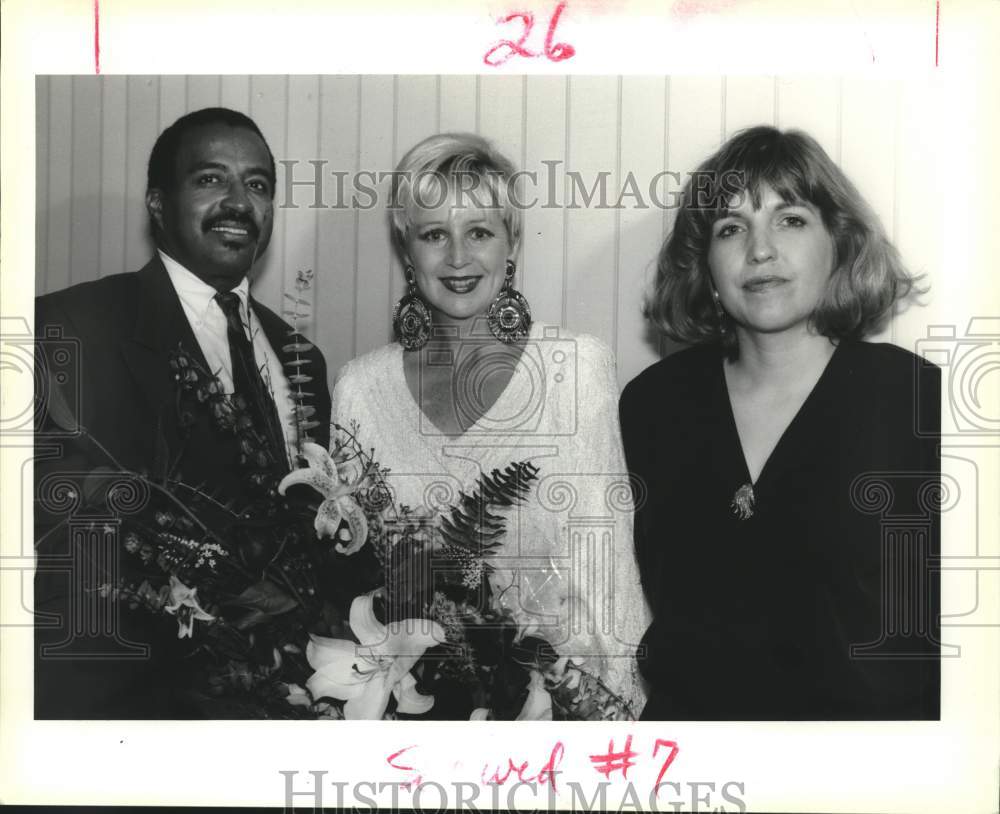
[{"x": 463, "y": 162}]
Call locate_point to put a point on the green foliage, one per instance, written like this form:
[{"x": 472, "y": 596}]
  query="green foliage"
[{"x": 451, "y": 553}]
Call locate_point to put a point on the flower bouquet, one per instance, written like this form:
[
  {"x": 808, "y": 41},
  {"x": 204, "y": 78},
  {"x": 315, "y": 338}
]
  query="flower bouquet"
[
  {"x": 431, "y": 640},
  {"x": 349, "y": 607}
]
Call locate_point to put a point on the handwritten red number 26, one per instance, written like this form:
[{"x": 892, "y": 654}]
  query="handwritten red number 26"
[{"x": 505, "y": 49}]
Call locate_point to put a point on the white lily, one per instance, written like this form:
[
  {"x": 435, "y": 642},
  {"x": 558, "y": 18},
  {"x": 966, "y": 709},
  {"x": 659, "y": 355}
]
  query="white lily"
[
  {"x": 366, "y": 674},
  {"x": 184, "y": 605},
  {"x": 321, "y": 474}
]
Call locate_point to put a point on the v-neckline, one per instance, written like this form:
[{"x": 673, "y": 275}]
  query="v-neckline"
[
  {"x": 422, "y": 416},
  {"x": 801, "y": 415}
]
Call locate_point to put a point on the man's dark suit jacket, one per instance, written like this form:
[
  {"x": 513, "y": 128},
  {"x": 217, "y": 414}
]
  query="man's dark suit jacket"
[{"x": 119, "y": 386}]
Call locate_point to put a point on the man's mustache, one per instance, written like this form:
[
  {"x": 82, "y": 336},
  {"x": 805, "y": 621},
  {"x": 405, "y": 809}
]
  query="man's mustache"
[{"x": 236, "y": 221}]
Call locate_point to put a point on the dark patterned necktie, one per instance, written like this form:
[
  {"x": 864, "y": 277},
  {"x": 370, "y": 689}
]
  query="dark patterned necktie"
[{"x": 247, "y": 381}]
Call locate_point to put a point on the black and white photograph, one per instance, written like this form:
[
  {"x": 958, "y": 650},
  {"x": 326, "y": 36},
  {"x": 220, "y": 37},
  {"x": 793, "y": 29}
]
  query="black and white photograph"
[{"x": 591, "y": 434}]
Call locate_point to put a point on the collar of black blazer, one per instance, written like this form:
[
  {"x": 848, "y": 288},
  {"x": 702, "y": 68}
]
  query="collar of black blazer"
[{"x": 161, "y": 326}]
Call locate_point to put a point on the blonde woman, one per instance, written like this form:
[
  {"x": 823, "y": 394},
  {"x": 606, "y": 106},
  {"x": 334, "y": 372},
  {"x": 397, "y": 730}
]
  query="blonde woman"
[{"x": 473, "y": 384}]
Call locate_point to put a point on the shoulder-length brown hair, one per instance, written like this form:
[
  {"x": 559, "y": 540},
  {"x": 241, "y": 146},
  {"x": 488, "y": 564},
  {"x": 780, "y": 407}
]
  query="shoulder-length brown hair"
[{"x": 868, "y": 278}]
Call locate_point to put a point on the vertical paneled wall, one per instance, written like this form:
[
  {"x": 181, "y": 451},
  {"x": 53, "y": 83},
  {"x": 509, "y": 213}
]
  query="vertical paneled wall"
[{"x": 597, "y": 144}]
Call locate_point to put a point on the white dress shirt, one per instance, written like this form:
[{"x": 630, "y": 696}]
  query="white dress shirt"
[{"x": 208, "y": 323}]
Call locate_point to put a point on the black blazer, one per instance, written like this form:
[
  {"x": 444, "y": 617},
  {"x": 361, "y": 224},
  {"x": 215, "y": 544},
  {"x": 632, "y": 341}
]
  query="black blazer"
[
  {"x": 105, "y": 345},
  {"x": 756, "y": 618}
]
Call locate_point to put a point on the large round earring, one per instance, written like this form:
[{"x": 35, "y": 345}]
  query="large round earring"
[
  {"x": 509, "y": 316},
  {"x": 411, "y": 318}
]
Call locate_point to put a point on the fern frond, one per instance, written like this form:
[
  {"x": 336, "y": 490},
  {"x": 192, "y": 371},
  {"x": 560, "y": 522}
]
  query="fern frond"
[
  {"x": 454, "y": 553},
  {"x": 470, "y": 526}
]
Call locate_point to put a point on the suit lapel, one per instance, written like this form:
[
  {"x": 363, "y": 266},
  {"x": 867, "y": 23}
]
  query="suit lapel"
[
  {"x": 275, "y": 328},
  {"x": 160, "y": 327}
]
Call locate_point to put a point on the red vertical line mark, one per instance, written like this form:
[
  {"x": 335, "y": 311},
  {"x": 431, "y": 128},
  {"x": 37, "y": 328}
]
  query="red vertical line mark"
[
  {"x": 616, "y": 283},
  {"x": 565, "y": 206},
  {"x": 357, "y": 217},
  {"x": 524, "y": 166},
  {"x": 97, "y": 36},
  {"x": 937, "y": 31},
  {"x": 666, "y": 208}
]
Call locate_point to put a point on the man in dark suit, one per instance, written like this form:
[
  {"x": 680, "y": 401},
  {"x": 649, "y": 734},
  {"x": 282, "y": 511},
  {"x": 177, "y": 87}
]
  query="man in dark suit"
[{"x": 210, "y": 189}]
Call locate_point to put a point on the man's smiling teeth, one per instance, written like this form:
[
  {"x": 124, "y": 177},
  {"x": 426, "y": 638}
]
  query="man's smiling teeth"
[{"x": 231, "y": 230}]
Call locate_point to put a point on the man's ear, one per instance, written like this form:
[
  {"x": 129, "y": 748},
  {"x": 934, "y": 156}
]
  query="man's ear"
[{"x": 154, "y": 205}]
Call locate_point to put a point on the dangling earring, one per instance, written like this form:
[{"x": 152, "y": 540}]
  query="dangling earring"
[
  {"x": 719, "y": 312},
  {"x": 509, "y": 316},
  {"x": 411, "y": 318}
]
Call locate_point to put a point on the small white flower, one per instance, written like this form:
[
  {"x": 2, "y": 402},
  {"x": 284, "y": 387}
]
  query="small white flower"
[{"x": 184, "y": 604}]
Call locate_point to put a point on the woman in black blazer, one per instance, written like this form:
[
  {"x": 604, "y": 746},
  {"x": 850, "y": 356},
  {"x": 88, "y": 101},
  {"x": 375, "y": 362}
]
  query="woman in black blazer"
[{"x": 787, "y": 472}]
